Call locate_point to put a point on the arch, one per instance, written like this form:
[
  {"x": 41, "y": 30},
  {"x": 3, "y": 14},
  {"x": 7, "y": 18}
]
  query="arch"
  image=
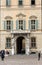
[
  {"x": 20, "y": 44},
  {"x": 20, "y": 36}
]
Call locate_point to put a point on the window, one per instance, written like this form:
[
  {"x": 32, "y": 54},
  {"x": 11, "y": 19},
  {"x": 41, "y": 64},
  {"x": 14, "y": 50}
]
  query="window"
[
  {"x": 8, "y": 42},
  {"x": 8, "y": 2},
  {"x": 32, "y": 2},
  {"x": 33, "y": 42},
  {"x": 32, "y": 24},
  {"x": 8, "y": 25},
  {"x": 20, "y": 2},
  {"x": 21, "y": 24}
]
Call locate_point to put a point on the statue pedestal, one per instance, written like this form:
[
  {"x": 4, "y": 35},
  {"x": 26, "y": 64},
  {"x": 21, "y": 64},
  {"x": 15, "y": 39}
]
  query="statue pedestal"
[
  {"x": 12, "y": 50},
  {"x": 27, "y": 51},
  {"x": 27, "y": 47}
]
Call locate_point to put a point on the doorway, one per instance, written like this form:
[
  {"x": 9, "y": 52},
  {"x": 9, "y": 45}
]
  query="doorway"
[{"x": 20, "y": 45}]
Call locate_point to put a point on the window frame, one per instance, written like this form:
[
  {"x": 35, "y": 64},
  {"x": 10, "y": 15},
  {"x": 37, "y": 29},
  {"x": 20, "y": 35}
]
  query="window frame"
[
  {"x": 32, "y": 2},
  {"x": 33, "y": 42},
  {"x": 33, "y": 27},
  {"x": 21, "y": 24},
  {"x": 8, "y": 24},
  {"x": 8, "y": 43},
  {"x": 20, "y": 2}
]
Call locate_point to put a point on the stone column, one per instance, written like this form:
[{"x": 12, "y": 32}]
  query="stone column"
[
  {"x": 12, "y": 46},
  {"x": 27, "y": 46}
]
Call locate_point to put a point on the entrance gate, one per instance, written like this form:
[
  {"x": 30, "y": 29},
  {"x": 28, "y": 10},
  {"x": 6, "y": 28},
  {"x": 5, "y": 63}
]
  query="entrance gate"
[{"x": 20, "y": 45}]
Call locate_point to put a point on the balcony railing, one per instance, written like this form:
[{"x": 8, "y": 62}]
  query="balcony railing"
[{"x": 20, "y": 31}]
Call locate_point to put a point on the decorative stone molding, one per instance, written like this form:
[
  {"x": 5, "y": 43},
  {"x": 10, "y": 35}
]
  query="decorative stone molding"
[
  {"x": 27, "y": 41},
  {"x": 33, "y": 17},
  {"x": 8, "y": 17},
  {"x": 20, "y": 14}
]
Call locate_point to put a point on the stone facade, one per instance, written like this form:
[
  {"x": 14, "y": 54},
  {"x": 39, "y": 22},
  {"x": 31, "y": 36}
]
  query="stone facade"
[{"x": 25, "y": 12}]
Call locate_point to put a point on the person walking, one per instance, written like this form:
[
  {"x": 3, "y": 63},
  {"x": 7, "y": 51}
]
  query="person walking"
[
  {"x": 2, "y": 54},
  {"x": 39, "y": 56}
]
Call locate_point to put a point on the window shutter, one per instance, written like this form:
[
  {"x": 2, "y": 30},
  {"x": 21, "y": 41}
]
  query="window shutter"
[
  {"x": 5, "y": 26},
  {"x": 8, "y": 2},
  {"x": 29, "y": 25},
  {"x": 36, "y": 24},
  {"x": 17, "y": 24},
  {"x": 24, "y": 25},
  {"x": 11, "y": 25}
]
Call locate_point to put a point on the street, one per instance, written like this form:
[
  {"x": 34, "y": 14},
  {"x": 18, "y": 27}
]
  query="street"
[{"x": 21, "y": 60}]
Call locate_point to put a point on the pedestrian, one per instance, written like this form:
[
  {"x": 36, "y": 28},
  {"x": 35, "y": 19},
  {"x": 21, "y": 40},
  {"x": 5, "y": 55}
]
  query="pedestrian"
[
  {"x": 2, "y": 54},
  {"x": 39, "y": 56}
]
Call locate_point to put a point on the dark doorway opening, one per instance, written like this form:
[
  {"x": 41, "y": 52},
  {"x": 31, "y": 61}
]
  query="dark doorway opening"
[{"x": 20, "y": 45}]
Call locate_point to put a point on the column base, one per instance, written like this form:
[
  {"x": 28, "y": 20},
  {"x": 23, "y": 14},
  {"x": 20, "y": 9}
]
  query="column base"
[
  {"x": 27, "y": 51},
  {"x": 12, "y": 51}
]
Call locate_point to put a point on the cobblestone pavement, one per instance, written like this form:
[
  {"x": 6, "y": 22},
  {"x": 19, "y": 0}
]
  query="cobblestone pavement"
[{"x": 21, "y": 60}]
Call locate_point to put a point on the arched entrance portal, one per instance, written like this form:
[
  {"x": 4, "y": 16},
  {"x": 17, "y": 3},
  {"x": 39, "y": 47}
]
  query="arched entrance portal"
[{"x": 20, "y": 45}]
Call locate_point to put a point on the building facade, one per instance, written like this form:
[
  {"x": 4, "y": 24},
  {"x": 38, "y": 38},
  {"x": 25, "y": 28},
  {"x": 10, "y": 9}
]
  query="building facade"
[{"x": 20, "y": 26}]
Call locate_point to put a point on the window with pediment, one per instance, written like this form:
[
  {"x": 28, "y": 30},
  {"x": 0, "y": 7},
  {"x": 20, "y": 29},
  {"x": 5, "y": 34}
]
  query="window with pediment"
[
  {"x": 33, "y": 23},
  {"x": 8, "y": 23}
]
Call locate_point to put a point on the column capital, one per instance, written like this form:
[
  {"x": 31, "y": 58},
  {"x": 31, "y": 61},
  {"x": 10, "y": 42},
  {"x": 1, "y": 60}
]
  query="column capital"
[{"x": 12, "y": 36}]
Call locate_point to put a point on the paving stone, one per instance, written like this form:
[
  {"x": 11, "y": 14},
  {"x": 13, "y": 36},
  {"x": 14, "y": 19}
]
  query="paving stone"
[{"x": 21, "y": 60}]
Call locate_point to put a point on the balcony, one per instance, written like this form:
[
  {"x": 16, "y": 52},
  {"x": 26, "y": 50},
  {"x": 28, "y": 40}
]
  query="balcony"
[{"x": 19, "y": 31}]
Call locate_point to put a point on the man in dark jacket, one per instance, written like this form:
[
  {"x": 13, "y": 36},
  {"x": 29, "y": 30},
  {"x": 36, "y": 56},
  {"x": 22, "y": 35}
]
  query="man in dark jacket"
[
  {"x": 39, "y": 56},
  {"x": 2, "y": 54}
]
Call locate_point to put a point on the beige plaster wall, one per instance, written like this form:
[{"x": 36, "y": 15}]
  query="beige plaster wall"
[{"x": 15, "y": 10}]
